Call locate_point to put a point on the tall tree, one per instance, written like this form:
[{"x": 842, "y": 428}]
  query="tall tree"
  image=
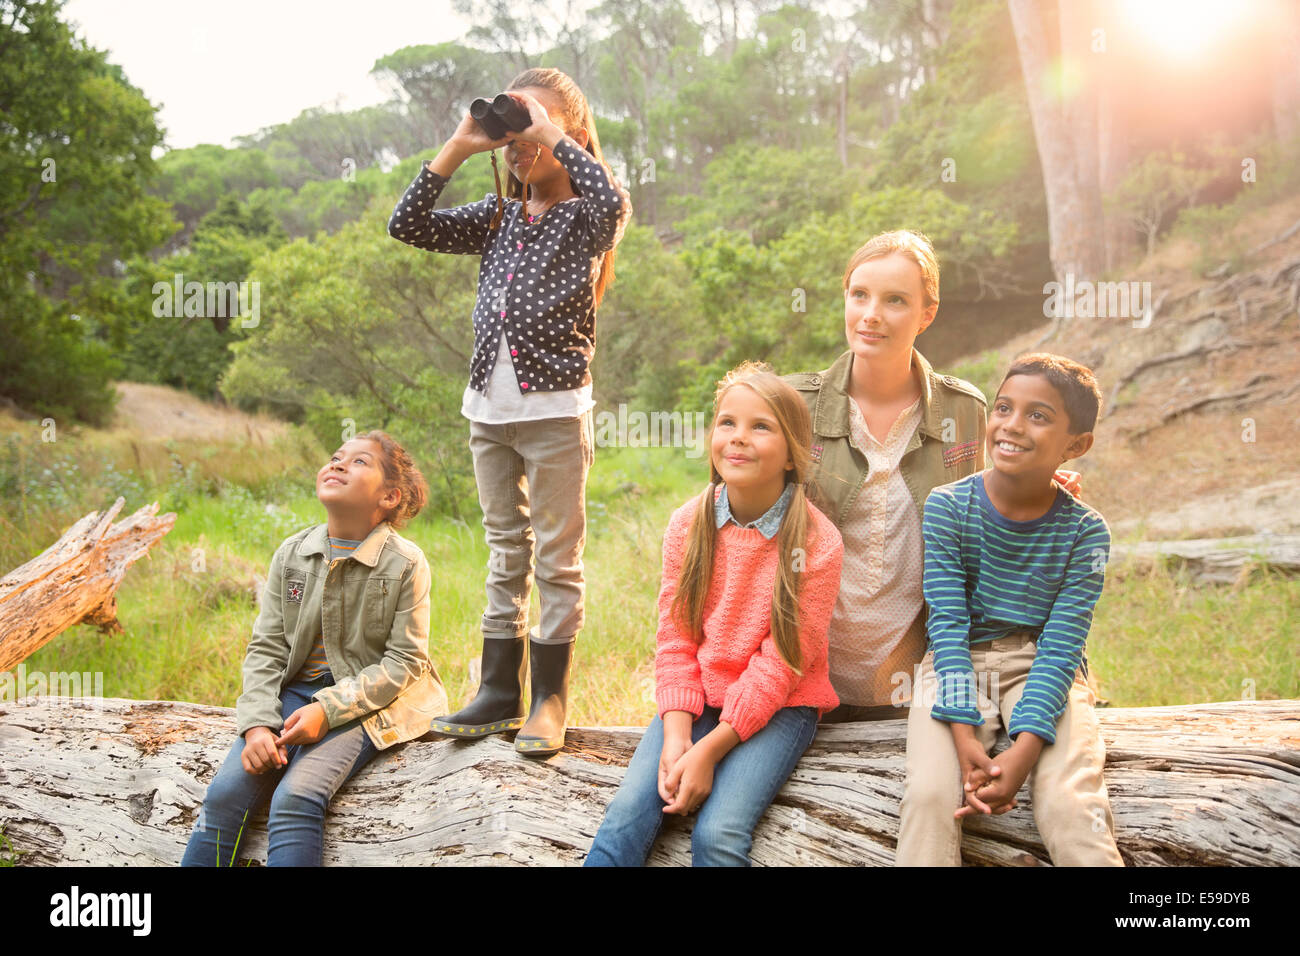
[
  {"x": 647, "y": 53},
  {"x": 76, "y": 142},
  {"x": 329, "y": 139},
  {"x": 437, "y": 83},
  {"x": 542, "y": 34},
  {"x": 1286, "y": 69},
  {"x": 1063, "y": 107}
]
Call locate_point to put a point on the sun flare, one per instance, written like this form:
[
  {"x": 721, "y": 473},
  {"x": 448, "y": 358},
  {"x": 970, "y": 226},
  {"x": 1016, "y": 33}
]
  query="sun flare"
[{"x": 1183, "y": 28}]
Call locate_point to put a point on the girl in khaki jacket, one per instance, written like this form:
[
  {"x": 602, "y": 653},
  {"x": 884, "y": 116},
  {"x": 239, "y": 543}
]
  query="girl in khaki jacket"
[{"x": 337, "y": 668}]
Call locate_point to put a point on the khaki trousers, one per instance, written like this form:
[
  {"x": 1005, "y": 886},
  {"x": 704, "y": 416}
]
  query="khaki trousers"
[
  {"x": 1070, "y": 804},
  {"x": 532, "y": 483}
]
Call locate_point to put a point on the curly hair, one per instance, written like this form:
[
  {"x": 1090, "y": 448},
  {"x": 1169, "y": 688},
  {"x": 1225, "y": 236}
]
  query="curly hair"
[{"x": 400, "y": 472}]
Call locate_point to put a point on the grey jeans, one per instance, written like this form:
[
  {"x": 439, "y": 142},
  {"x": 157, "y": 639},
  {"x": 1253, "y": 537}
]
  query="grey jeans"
[{"x": 532, "y": 486}]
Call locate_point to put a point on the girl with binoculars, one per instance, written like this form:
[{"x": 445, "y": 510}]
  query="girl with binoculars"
[{"x": 547, "y": 259}]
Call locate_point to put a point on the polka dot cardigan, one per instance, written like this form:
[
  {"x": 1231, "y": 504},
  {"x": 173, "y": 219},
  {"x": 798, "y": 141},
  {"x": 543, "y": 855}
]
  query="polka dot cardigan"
[{"x": 536, "y": 284}]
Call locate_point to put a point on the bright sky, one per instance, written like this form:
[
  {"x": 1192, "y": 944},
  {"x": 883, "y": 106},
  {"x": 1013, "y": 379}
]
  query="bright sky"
[{"x": 228, "y": 68}]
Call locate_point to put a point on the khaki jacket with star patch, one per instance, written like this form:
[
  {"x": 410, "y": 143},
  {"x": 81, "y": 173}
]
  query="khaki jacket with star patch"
[
  {"x": 947, "y": 445},
  {"x": 372, "y": 609}
]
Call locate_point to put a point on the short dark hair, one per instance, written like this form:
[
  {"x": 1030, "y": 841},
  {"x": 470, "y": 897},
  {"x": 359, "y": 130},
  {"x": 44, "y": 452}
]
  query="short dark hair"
[
  {"x": 400, "y": 471},
  {"x": 1076, "y": 383}
]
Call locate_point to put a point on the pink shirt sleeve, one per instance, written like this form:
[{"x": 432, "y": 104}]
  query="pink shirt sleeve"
[
  {"x": 767, "y": 682},
  {"x": 677, "y": 667}
]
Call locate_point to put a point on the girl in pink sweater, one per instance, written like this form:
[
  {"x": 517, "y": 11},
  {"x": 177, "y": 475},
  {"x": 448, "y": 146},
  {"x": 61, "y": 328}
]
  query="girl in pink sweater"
[{"x": 750, "y": 574}]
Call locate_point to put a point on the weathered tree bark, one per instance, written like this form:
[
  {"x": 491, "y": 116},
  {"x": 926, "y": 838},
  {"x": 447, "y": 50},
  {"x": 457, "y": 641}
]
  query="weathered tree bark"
[
  {"x": 1065, "y": 131},
  {"x": 1217, "y": 560},
  {"x": 121, "y": 782},
  {"x": 75, "y": 579}
]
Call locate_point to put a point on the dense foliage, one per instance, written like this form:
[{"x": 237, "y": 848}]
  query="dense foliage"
[{"x": 761, "y": 143}]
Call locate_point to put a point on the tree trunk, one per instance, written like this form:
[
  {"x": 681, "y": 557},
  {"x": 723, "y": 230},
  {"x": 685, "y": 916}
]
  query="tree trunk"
[
  {"x": 1114, "y": 135},
  {"x": 74, "y": 580},
  {"x": 1065, "y": 131},
  {"x": 1286, "y": 71},
  {"x": 121, "y": 782}
]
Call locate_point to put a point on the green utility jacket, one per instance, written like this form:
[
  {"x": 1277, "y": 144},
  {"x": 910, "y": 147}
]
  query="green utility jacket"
[
  {"x": 372, "y": 609},
  {"x": 948, "y": 444}
]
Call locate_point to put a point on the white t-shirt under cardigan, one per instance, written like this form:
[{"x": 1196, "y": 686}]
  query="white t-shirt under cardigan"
[
  {"x": 536, "y": 288},
  {"x": 502, "y": 402}
]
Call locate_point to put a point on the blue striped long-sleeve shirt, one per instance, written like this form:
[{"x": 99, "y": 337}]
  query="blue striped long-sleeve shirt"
[{"x": 987, "y": 576}]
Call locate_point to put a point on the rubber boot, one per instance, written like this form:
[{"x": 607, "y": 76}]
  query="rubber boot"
[
  {"x": 543, "y": 733},
  {"x": 499, "y": 704}
]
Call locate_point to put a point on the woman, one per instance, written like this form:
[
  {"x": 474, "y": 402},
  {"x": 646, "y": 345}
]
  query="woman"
[{"x": 887, "y": 429}]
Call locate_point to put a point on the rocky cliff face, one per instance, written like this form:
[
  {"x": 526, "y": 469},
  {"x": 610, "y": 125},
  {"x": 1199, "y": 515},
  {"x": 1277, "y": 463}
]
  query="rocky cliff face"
[{"x": 1200, "y": 434}]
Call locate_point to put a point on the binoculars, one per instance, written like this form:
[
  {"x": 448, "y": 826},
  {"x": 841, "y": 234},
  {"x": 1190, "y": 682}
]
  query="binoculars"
[{"x": 500, "y": 115}]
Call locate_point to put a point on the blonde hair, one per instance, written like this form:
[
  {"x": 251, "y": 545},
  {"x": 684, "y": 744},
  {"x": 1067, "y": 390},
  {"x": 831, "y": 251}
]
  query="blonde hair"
[
  {"x": 697, "y": 564},
  {"x": 575, "y": 114},
  {"x": 914, "y": 245}
]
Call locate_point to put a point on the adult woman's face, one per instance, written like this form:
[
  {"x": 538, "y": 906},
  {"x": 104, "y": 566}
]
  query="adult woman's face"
[{"x": 884, "y": 308}]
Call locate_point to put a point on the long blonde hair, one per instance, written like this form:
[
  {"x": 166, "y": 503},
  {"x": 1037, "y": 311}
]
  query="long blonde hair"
[
  {"x": 697, "y": 564},
  {"x": 576, "y": 114}
]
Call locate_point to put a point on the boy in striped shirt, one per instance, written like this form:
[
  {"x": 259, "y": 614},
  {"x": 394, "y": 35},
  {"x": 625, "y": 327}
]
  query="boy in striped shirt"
[{"x": 1013, "y": 568}]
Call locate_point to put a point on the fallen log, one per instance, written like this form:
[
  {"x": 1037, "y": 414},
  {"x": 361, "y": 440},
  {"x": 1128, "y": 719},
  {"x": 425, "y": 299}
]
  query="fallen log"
[
  {"x": 75, "y": 579},
  {"x": 1214, "y": 560},
  {"x": 121, "y": 782}
]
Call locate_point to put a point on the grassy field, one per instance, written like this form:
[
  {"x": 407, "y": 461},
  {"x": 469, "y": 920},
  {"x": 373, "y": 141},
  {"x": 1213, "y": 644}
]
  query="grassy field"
[{"x": 187, "y": 608}]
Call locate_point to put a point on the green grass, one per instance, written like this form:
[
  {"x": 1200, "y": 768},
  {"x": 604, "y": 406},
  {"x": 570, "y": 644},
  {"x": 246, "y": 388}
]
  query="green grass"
[
  {"x": 8, "y": 855},
  {"x": 187, "y": 608},
  {"x": 1158, "y": 638}
]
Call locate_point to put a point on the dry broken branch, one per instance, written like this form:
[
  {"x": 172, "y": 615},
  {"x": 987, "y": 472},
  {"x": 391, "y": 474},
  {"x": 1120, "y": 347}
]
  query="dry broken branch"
[{"x": 75, "y": 579}]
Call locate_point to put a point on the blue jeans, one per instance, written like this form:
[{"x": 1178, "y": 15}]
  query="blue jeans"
[
  {"x": 299, "y": 792},
  {"x": 745, "y": 782}
]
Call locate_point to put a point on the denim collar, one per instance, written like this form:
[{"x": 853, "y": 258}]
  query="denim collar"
[{"x": 767, "y": 525}]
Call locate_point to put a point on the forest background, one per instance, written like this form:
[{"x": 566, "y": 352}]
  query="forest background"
[{"x": 1103, "y": 141}]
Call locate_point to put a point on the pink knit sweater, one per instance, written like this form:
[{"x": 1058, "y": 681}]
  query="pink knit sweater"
[{"x": 737, "y": 668}]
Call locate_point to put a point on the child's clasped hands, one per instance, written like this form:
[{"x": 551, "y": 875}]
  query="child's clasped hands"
[
  {"x": 990, "y": 784},
  {"x": 264, "y": 750}
]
